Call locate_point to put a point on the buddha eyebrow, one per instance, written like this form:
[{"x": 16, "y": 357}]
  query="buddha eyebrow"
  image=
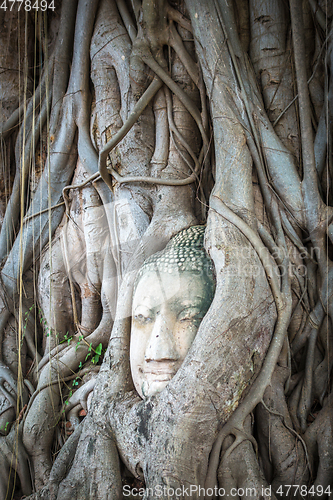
[
  {"x": 142, "y": 306},
  {"x": 193, "y": 300}
]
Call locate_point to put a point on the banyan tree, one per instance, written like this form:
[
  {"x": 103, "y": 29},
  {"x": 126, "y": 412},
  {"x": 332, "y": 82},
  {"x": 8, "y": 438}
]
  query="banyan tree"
[{"x": 194, "y": 135}]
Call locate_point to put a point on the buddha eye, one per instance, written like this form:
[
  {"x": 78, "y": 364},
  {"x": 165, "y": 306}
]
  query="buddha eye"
[
  {"x": 142, "y": 319},
  {"x": 189, "y": 315},
  {"x": 142, "y": 315}
]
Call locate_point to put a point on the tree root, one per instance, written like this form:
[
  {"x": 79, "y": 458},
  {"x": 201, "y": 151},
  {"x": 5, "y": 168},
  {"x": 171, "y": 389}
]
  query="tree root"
[
  {"x": 9, "y": 225},
  {"x": 291, "y": 472},
  {"x": 176, "y": 89},
  {"x": 65, "y": 458},
  {"x": 62, "y": 62},
  {"x": 127, "y": 20},
  {"x": 92, "y": 178},
  {"x": 305, "y": 401},
  {"x": 17, "y": 398},
  {"x": 241, "y": 471},
  {"x": 262, "y": 381},
  {"x": 78, "y": 401},
  {"x": 312, "y": 200},
  {"x": 313, "y": 323},
  {"x": 319, "y": 438},
  {"x": 14, "y": 465},
  {"x": 140, "y": 106}
]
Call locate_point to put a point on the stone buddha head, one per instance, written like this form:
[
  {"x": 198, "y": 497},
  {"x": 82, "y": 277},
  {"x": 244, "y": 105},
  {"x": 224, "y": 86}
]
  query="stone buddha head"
[{"x": 172, "y": 293}]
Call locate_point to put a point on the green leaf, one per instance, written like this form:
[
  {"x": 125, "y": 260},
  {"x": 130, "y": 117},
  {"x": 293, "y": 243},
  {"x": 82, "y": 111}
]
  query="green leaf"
[{"x": 98, "y": 349}]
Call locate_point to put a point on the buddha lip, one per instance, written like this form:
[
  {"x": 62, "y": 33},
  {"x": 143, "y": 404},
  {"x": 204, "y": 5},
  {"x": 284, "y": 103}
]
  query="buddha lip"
[
  {"x": 155, "y": 375},
  {"x": 159, "y": 372}
]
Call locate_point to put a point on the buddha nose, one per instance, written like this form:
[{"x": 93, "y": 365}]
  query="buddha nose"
[{"x": 161, "y": 344}]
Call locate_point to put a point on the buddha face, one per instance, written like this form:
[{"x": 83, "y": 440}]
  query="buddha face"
[{"x": 167, "y": 311}]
